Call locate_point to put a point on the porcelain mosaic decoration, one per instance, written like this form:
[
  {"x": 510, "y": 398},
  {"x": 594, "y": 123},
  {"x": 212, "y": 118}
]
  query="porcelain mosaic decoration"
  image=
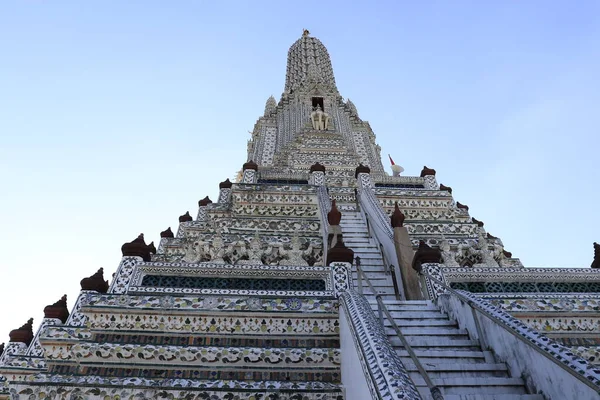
[{"x": 245, "y": 301}]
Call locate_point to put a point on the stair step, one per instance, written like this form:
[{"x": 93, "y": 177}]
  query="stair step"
[
  {"x": 408, "y": 302},
  {"x": 422, "y": 322},
  {"x": 400, "y": 308},
  {"x": 435, "y": 357},
  {"x": 490, "y": 397},
  {"x": 417, "y": 315},
  {"x": 457, "y": 384},
  {"x": 460, "y": 344},
  {"x": 459, "y": 368},
  {"x": 442, "y": 331}
]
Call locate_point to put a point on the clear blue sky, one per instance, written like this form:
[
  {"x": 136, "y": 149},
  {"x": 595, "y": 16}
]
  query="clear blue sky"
[{"x": 116, "y": 117}]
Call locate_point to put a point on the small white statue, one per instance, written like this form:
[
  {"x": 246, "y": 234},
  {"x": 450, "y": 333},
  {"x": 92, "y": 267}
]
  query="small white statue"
[
  {"x": 295, "y": 255},
  {"x": 218, "y": 250},
  {"x": 253, "y": 250},
  {"x": 319, "y": 119},
  {"x": 482, "y": 250},
  {"x": 196, "y": 251},
  {"x": 448, "y": 255}
]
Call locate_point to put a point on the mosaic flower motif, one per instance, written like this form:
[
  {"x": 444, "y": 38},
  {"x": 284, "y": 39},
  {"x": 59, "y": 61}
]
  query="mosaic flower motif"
[
  {"x": 293, "y": 304},
  {"x": 210, "y": 302},
  {"x": 254, "y": 304}
]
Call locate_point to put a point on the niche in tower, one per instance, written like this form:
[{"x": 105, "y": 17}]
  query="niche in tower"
[{"x": 318, "y": 101}]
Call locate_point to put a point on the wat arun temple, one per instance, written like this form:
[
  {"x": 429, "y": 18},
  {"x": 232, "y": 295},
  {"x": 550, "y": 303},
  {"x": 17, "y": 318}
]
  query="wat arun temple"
[{"x": 317, "y": 275}]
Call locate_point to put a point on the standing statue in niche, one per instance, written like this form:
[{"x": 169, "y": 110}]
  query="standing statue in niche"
[
  {"x": 319, "y": 119},
  {"x": 295, "y": 254}
]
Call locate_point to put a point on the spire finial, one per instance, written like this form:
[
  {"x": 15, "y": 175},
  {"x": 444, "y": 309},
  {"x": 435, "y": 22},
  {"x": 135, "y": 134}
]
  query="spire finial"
[{"x": 305, "y": 32}]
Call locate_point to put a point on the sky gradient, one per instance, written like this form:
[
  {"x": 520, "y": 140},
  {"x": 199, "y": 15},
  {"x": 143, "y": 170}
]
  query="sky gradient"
[{"x": 117, "y": 117}]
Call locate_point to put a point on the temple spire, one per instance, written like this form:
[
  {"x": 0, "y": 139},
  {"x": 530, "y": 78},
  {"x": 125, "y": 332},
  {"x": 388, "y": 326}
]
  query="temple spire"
[{"x": 308, "y": 62}]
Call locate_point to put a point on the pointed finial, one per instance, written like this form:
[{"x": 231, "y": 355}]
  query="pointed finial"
[
  {"x": 136, "y": 248},
  {"x": 305, "y": 32},
  {"x": 24, "y": 334},
  {"x": 204, "y": 202},
  {"x": 478, "y": 222},
  {"x": 226, "y": 184},
  {"x": 168, "y": 233},
  {"x": 596, "y": 262},
  {"x": 446, "y": 188},
  {"x": 340, "y": 253},
  {"x": 152, "y": 248},
  {"x": 427, "y": 171},
  {"x": 334, "y": 216},
  {"x": 397, "y": 218},
  {"x": 317, "y": 167},
  {"x": 185, "y": 217},
  {"x": 361, "y": 169},
  {"x": 250, "y": 165},
  {"x": 425, "y": 254},
  {"x": 58, "y": 310},
  {"x": 95, "y": 282}
]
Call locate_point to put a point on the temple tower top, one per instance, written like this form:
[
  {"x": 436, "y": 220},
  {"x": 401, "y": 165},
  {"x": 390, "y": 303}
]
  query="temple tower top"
[{"x": 308, "y": 62}]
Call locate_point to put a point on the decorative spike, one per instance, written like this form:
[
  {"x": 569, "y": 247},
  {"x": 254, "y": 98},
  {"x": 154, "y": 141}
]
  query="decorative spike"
[
  {"x": 479, "y": 223},
  {"x": 596, "y": 262},
  {"x": 250, "y": 165},
  {"x": 340, "y": 253},
  {"x": 1, "y": 349},
  {"x": 507, "y": 254},
  {"x": 397, "y": 218},
  {"x": 427, "y": 171},
  {"x": 425, "y": 254},
  {"x": 136, "y": 248},
  {"x": 185, "y": 217},
  {"x": 462, "y": 206},
  {"x": 334, "y": 216},
  {"x": 58, "y": 310},
  {"x": 204, "y": 202},
  {"x": 317, "y": 167},
  {"x": 95, "y": 282},
  {"x": 446, "y": 188},
  {"x": 167, "y": 233},
  {"x": 226, "y": 184},
  {"x": 361, "y": 169},
  {"x": 24, "y": 334},
  {"x": 151, "y": 248}
]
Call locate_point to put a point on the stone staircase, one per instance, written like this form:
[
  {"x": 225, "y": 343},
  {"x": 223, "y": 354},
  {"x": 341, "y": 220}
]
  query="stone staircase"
[
  {"x": 356, "y": 237},
  {"x": 456, "y": 363}
]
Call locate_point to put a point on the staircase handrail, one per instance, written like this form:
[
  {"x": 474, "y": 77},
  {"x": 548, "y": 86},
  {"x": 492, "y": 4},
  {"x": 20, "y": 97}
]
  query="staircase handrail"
[
  {"x": 382, "y": 365},
  {"x": 325, "y": 207},
  {"x": 383, "y": 234},
  {"x": 517, "y": 328},
  {"x": 382, "y": 309}
]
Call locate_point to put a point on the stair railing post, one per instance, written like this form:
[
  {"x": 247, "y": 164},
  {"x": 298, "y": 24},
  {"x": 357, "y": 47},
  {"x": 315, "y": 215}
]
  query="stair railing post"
[
  {"x": 482, "y": 340},
  {"x": 379, "y": 309},
  {"x": 435, "y": 391},
  {"x": 359, "y": 275},
  {"x": 386, "y": 267}
]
